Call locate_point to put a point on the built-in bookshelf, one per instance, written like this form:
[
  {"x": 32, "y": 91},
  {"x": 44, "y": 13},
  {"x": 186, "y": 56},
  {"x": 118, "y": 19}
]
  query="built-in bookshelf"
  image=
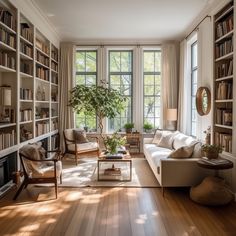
[{"x": 224, "y": 78}]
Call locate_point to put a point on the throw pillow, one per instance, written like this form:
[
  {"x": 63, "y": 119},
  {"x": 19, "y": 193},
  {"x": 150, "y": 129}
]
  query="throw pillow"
[
  {"x": 182, "y": 152},
  {"x": 166, "y": 140},
  {"x": 157, "y": 136},
  {"x": 80, "y": 136}
]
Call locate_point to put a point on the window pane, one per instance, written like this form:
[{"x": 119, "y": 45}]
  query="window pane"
[
  {"x": 115, "y": 80},
  {"x": 157, "y": 61},
  {"x": 194, "y": 55},
  {"x": 115, "y": 62},
  {"x": 80, "y": 61},
  {"x": 149, "y": 90},
  {"x": 148, "y": 61},
  {"x": 149, "y": 80},
  {"x": 126, "y": 62},
  {"x": 90, "y": 80},
  {"x": 91, "y": 62},
  {"x": 80, "y": 79}
]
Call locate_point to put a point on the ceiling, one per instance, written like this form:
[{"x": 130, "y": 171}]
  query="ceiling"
[{"x": 77, "y": 20}]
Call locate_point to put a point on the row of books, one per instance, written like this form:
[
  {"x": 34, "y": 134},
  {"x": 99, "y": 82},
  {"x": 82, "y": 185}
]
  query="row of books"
[
  {"x": 42, "y": 59},
  {"x": 224, "y": 140},
  {"x": 54, "y": 66},
  {"x": 26, "y": 49},
  {"x": 224, "y": 48},
  {"x": 54, "y": 78},
  {"x": 26, "y": 67},
  {"x": 26, "y": 32},
  {"x": 42, "y": 46},
  {"x": 26, "y": 94},
  {"x": 7, "y": 38},
  {"x": 224, "y": 90},
  {"x": 42, "y": 112},
  {"x": 42, "y": 128},
  {"x": 54, "y": 54},
  {"x": 223, "y": 117},
  {"x": 7, "y": 18},
  {"x": 55, "y": 142},
  {"x": 54, "y": 95},
  {"x": 26, "y": 115},
  {"x": 42, "y": 73},
  {"x": 7, "y": 139},
  {"x": 224, "y": 27},
  {"x": 7, "y": 60},
  {"x": 54, "y": 124},
  {"x": 25, "y": 133},
  {"x": 224, "y": 69}
]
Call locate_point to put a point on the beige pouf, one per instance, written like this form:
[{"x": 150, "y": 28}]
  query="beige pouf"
[{"x": 212, "y": 191}]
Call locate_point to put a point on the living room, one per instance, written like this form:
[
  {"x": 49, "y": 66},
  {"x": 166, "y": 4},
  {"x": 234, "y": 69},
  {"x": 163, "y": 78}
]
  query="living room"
[{"x": 117, "y": 117}]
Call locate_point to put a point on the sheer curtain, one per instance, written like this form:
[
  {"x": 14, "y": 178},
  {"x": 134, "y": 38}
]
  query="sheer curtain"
[
  {"x": 66, "y": 83},
  {"x": 169, "y": 79}
]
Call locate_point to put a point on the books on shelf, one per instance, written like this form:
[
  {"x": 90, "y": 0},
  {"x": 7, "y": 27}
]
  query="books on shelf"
[
  {"x": 7, "y": 139},
  {"x": 7, "y": 38},
  {"x": 42, "y": 127},
  {"x": 224, "y": 140},
  {"x": 26, "y": 94},
  {"x": 224, "y": 27},
  {"x": 224, "y": 48},
  {"x": 54, "y": 78},
  {"x": 8, "y": 60},
  {"x": 224, "y": 69},
  {"x": 55, "y": 142},
  {"x": 224, "y": 116},
  {"x": 42, "y": 59},
  {"x": 26, "y": 49},
  {"x": 54, "y": 124},
  {"x": 42, "y": 46},
  {"x": 54, "y": 53},
  {"x": 25, "y": 133},
  {"x": 224, "y": 90},
  {"x": 26, "y": 115},
  {"x": 42, "y": 73},
  {"x": 26, "y": 32},
  {"x": 7, "y": 18},
  {"x": 54, "y": 66},
  {"x": 26, "y": 67}
]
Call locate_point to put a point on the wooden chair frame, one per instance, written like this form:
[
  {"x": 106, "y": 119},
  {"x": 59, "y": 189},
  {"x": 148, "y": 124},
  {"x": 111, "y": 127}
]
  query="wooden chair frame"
[
  {"x": 28, "y": 180},
  {"x": 78, "y": 152}
]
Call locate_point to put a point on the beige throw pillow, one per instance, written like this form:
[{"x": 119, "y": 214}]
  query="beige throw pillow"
[
  {"x": 166, "y": 140},
  {"x": 182, "y": 152},
  {"x": 157, "y": 136},
  {"x": 80, "y": 136}
]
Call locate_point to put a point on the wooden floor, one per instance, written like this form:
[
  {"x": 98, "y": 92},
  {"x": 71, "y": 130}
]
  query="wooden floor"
[{"x": 112, "y": 211}]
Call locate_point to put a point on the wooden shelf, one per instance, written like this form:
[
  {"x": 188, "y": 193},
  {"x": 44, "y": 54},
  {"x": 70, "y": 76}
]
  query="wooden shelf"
[
  {"x": 22, "y": 100},
  {"x": 25, "y": 57},
  {"x": 6, "y": 125},
  {"x": 225, "y": 78},
  {"x": 41, "y": 64},
  {"x": 42, "y": 80},
  {"x": 6, "y": 47},
  {"x": 24, "y": 75},
  {"x": 224, "y": 126},
  {"x": 228, "y": 35},
  {"x": 224, "y": 100},
  {"x": 54, "y": 60},
  {"x": 54, "y": 71},
  {"x": 42, "y": 52},
  {"x": 26, "y": 41},
  {"x": 42, "y": 101},
  {"x": 224, "y": 14},
  {"x": 53, "y": 84},
  {"x": 42, "y": 119},
  {"x": 229, "y": 55},
  {"x": 54, "y": 117},
  {"x": 6, "y": 69},
  {"x": 25, "y": 122},
  {"x": 7, "y": 28}
]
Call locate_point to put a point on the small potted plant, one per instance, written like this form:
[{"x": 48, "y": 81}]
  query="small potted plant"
[
  {"x": 147, "y": 127},
  {"x": 113, "y": 142},
  {"x": 128, "y": 127},
  {"x": 211, "y": 151}
]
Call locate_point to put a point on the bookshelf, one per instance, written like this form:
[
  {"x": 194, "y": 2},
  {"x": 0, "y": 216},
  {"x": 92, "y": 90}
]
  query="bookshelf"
[
  {"x": 224, "y": 95},
  {"x": 28, "y": 83}
]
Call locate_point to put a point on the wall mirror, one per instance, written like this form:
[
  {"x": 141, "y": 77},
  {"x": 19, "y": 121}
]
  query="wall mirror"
[{"x": 203, "y": 101}]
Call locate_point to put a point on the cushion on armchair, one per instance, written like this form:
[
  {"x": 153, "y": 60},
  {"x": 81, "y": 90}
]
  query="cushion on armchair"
[
  {"x": 84, "y": 147},
  {"x": 80, "y": 136}
]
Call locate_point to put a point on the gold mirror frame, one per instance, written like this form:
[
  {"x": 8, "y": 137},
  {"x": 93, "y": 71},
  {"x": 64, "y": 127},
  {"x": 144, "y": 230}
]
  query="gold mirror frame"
[{"x": 200, "y": 101}]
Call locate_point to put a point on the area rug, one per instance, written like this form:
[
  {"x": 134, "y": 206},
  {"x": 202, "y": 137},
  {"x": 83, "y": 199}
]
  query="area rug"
[{"x": 85, "y": 174}]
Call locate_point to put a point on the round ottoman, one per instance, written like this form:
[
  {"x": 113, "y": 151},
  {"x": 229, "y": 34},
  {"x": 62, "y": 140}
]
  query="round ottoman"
[{"x": 212, "y": 191}]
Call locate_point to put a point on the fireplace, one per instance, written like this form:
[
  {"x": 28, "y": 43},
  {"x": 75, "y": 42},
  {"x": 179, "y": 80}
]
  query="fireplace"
[{"x": 8, "y": 165}]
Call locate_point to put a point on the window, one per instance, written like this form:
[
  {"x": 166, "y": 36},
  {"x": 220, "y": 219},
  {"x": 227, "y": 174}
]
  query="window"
[
  {"x": 86, "y": 73},
  {"x": 152, "y": 87},
  {"x": 120, "y": 78},
  {"x": 193, "y": 88}
]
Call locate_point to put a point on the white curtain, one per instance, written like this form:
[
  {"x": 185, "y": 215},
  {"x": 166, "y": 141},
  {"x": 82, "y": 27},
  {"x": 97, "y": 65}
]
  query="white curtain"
[
  {"x": 66, "y": 83},
  {"x": 169, "y": 79}
]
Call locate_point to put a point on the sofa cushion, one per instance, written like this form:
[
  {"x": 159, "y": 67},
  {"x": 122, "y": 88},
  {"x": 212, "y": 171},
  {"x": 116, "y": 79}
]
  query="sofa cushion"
[
  {"x": 181, "y": 140},
  {"x": 80, "y": 136},
  {"x": 167, "y": 139},
  {"x": 182, "y": 152},
  {"x": 197, "y": 151},
  {"x": 157, "y": 136},
  {"x": 84, "y": 147}
]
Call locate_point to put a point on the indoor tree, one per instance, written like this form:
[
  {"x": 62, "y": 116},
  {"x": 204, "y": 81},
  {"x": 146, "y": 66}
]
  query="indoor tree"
[{"x": 97, "y": 100}]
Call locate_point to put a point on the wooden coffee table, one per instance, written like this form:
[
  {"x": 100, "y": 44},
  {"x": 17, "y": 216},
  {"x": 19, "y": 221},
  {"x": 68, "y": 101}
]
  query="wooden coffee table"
[{"x": 113, "y": 170}]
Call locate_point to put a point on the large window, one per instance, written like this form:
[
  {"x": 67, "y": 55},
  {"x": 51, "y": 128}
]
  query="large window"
[
  {"x": 193, "y": 88},
  {"x": 120, "y": 78},
  {"x": 86, "y": 73},
  {"x": 152, "y": 87}
]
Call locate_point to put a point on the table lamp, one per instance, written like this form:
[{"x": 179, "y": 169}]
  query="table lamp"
[
  {"x": 5, "y": 103},
  {"x": 171, "y": 116}
]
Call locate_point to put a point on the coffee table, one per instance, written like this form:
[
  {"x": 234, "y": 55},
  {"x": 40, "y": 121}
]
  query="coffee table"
[{"x": 112, "y": 170}]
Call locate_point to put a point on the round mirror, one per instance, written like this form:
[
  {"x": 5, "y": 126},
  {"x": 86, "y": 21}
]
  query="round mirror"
[{"x": 203, "y": 101}]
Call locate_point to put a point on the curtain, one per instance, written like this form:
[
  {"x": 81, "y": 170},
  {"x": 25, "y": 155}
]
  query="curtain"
[
  {"x": 183, "y": 99},
  {"x": 169, "y": 80},
  {"x": 66, "y": 83}
]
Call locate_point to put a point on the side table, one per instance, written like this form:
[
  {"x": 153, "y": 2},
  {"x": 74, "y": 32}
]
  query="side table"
[{"x": 213, "y": 189}]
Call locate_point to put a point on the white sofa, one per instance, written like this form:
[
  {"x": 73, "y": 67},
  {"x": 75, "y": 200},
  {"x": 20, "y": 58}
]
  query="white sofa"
[{"x": 172, "y": 172}]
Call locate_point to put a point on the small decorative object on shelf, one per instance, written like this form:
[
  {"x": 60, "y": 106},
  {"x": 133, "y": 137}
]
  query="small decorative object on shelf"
[
  {"x": 128, "y": 127},
  {"x": 147, "y": 127},
  {"x": 208, "y": 135},
  {"x": 211, "y": 151}
]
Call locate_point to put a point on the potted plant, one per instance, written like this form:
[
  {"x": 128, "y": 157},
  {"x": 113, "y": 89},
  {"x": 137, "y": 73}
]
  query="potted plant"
[
  {"x": 147, "y": 127},
  {"x": 128, "y": 127},
  {"x": 211, "y": 151},
  {"x": 97, "y": 100},
  {"x": 113, "y": 142}
]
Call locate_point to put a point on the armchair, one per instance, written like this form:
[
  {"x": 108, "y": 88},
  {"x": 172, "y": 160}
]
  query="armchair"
[
  {"x": 72, "y": 146},
  {"x": 37, "y": 168}
]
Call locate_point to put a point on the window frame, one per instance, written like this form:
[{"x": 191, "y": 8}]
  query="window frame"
[
  {"x": 131, "y": 74},
  {"x": 85, "y": 74},
  {"x": 154, "y": 74}
]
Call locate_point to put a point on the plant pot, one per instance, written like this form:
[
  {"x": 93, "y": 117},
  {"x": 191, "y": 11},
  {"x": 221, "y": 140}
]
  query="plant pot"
[
  {"x": 129, "y": 130},
  {"x": 212, "y": 155}
]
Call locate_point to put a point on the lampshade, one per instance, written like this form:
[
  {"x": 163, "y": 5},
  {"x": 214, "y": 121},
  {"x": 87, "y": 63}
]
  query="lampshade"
[
  {"x": 5, "y": 96},
  {"x": 171, "y": 114}
]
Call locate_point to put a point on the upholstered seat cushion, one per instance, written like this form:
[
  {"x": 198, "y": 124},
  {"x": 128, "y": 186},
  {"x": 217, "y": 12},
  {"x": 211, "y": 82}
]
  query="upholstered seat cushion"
[
  {"x": 46, "y": 170},
  {"x": 83, "y": 147}
]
